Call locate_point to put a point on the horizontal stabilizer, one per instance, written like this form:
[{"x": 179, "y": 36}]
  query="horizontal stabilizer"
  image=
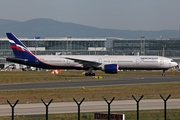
[{"x": 16, "y": 60}]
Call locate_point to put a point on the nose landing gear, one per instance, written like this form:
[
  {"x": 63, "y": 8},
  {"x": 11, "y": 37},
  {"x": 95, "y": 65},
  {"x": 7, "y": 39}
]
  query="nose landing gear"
[{"x": 163, "y": 73}]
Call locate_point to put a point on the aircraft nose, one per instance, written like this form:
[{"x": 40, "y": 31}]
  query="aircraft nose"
[{"x": 176, "y": 65}]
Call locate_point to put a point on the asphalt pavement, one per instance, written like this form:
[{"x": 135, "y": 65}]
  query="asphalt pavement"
[{"x": 92, "y": 83}]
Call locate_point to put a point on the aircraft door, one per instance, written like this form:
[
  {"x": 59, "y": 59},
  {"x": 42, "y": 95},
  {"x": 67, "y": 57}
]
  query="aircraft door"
[
  {"x": 67, "y": 62},
  {"x": 161, "y": 61},
  {"x": 137, "y": 61},
  {"x": 100, "y": 60}
]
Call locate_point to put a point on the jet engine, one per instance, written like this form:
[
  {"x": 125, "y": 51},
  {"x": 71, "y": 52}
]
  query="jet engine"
[{"x": 111, "y": 68}]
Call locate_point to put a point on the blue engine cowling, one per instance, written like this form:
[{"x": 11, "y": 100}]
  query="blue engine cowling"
[{"x": 111, "y": 68}]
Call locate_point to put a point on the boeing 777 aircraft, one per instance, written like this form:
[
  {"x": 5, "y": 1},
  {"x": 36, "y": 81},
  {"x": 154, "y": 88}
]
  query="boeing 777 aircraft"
[{"x": 108, "y": 64}]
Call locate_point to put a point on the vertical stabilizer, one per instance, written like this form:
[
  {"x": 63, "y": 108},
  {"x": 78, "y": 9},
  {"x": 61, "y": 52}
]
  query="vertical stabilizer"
[{"x": 19, "y": 49}]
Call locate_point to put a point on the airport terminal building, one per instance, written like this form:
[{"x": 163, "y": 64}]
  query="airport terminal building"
[{"x": 96, "y": 46}]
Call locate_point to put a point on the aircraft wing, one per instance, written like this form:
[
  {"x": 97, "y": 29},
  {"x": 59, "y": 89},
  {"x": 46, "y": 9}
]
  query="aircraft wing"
[{"x": 85, "y": 63}]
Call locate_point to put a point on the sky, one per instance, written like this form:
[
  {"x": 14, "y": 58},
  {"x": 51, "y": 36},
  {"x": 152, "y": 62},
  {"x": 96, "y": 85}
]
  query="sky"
[{"x": 112, "y": 14}]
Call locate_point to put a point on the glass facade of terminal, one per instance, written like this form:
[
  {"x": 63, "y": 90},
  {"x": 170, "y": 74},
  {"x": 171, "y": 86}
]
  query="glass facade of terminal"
[
  {"x": 99, "y": 46},
  {"x": 168, "y": 48},
  {"x": 54, "y": 46}
]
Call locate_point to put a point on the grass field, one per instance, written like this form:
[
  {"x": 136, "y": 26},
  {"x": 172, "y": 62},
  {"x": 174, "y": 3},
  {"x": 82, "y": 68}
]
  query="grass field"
[
  {"x": 124, "y": 92},
  {"x": 121, "y": 92},
  {"x": 42, "y": 76}
]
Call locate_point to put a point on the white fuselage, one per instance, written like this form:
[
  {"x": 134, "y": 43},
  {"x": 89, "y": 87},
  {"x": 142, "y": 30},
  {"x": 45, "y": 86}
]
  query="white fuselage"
[{"x": 123, "y": 62}]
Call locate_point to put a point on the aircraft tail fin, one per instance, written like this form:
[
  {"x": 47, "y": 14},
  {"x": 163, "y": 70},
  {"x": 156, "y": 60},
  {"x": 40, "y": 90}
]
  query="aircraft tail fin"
[
  {"x": 19, "y": 49},
  {"x": 12, "y": 37}
]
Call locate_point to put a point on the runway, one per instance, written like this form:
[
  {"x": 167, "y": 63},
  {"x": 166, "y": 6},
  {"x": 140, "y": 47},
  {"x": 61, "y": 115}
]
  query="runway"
[
  {"x": 88, "y": 106},
  {"x": 94, "y": 82}
]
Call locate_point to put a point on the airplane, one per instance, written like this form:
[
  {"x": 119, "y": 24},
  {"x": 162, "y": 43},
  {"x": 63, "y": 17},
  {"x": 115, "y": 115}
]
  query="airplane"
[{"x": 108, "y": 63}]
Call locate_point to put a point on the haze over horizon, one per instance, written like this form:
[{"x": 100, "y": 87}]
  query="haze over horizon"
[{"x": 114, "y": 14}]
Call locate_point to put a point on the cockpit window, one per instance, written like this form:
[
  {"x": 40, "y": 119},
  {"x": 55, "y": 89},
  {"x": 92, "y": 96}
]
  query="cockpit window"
[{"x": 172, "y": 60}]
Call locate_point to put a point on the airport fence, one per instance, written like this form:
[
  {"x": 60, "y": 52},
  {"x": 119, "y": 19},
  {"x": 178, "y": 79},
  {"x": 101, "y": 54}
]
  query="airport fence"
[{"x": 109, "y": 113}]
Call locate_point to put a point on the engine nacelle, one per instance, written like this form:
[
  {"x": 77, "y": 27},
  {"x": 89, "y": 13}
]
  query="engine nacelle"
[{"x": 111, "y": 68}]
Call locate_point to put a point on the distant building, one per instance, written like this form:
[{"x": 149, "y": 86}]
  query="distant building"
[
  {"x": 165, "y": 47},
  {"x": 96, "y": 46}
]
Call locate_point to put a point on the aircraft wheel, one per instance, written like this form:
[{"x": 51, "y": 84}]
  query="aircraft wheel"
[
  {"x": 92, "y": 74},
  {"x": 86, "y": 74},
  {"x": 89, "y": 74}
]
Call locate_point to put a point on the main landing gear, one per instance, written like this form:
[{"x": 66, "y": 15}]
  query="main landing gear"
[
  {"x": 163, "y": 73},
  {"x": 90, "y": 73}
]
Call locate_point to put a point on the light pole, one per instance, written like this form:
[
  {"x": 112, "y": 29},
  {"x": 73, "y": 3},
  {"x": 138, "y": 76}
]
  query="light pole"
[
  {"x": 142, "y": 45},
  {"x": 179, "y": 28},
  {"x": 95, "y": 48},
  {"x": 163, "y": 49},
  {"x": 36, "y": 48}
]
